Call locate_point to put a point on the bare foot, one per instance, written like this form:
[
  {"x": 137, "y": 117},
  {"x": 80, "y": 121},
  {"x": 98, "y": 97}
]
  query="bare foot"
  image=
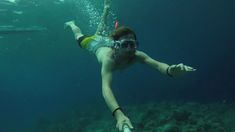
[{"x": 68, "y": 24}]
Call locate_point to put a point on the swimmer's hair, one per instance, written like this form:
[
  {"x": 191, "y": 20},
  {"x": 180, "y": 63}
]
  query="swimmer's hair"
[{"x": 122, "y": 31}]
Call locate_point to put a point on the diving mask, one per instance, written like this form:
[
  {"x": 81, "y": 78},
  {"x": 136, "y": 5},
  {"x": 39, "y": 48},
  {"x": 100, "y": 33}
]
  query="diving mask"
[{"x": 126, "y": 43}]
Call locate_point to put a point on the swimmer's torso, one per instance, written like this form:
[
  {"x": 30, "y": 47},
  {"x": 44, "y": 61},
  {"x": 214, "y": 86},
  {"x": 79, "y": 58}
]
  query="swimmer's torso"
[{"x": 105, "y": 53}]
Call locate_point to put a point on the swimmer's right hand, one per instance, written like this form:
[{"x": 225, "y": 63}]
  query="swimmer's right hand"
[
  {"x": 107, "y": 4},
  {"x": 122, "y": 120},
  {"x": 106, "y": 7}
]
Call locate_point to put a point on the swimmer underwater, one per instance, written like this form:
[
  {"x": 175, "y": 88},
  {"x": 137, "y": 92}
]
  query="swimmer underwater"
[{"x": 119, "y": 51}]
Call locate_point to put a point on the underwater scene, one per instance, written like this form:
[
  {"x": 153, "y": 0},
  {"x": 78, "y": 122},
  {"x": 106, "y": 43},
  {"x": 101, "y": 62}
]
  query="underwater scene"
[{"x": 62, "y": 68}]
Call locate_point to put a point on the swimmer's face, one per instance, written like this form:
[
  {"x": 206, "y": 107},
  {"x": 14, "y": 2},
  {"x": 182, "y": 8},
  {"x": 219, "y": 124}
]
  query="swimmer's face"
[
  {"x": 128, "y": 42},
  {"x": 128, "y": 46}
]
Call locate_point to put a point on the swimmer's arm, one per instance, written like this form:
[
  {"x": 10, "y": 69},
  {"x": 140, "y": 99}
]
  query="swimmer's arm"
[
  {"x": 104, "y": 18},
  {"x": 144, "y": 58},
  {"x": 106, "y": 74},
  {"x": 173, "y": 70}
]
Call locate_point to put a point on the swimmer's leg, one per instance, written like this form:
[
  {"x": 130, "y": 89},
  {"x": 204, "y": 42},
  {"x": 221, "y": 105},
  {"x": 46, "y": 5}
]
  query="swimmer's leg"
[{"x": 76, "y": 30}]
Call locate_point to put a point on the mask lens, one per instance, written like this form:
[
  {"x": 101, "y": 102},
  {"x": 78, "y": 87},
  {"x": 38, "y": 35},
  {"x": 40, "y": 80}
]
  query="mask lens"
[
  {"x": 128, "y": 44},
  {"x": 132, "y": 45}
]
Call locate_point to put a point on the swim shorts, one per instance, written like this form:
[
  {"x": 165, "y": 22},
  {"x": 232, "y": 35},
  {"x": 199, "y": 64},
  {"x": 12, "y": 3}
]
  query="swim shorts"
[{"x": 92, "y": 43}]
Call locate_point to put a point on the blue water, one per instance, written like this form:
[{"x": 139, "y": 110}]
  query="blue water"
[{"x": 45, "y": 73}]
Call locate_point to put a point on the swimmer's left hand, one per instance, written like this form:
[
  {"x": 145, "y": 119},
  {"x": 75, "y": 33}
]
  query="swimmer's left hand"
[{"x": 179, "y": 70}]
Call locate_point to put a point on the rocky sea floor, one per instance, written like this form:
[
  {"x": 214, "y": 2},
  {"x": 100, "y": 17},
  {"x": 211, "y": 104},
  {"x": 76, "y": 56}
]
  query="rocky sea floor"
[{"x": 154, "y": 117}]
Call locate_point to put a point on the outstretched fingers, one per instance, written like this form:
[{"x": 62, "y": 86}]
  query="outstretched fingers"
[
  {"x": 130, "y": 125},
  {"x": 188, "y": 68},
  {"x": 183, "y": 67}
]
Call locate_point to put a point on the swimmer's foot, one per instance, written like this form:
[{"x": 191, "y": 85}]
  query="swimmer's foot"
[{"x": 68, "y": 24}]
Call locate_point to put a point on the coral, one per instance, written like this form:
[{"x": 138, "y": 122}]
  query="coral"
[{"x": 159, "y": 117}]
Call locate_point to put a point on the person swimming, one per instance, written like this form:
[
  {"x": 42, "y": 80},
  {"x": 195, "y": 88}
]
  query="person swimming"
[{"x": 115, "y": 52}]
